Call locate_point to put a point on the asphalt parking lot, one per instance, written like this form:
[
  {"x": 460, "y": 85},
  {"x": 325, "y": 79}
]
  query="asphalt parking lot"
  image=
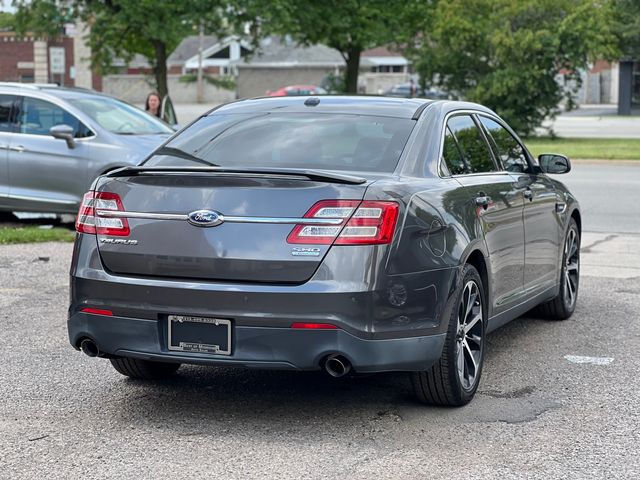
[{"x": 557, "y": 399}]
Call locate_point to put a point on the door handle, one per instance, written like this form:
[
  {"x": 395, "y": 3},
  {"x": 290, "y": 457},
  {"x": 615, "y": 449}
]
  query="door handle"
[
  {"x": 483, "y": 201},
  {"x": 17, "y": 148},
  {"x": 528, "y": 194}
]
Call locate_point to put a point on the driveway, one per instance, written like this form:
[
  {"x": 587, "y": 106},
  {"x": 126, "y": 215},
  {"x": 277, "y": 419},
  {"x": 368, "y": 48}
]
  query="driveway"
[{"x": 557, "y": 399}]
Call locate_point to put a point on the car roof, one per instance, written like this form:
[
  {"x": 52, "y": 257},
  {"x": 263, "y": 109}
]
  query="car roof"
[
  {"x": 410, "y": 108},
  {"x": 50, "y": 89},
  {"x": 348, "y": 104}
]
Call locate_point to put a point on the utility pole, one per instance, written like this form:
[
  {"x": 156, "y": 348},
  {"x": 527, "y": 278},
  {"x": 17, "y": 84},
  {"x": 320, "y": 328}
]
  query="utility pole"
[{"x": 200, "y": 94}]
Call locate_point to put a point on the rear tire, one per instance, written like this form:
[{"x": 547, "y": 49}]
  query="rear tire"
[
  {"x": 143, "y": 369},
  {"x": 563, "y": 305},
  {"x": 454, "y": 379}
]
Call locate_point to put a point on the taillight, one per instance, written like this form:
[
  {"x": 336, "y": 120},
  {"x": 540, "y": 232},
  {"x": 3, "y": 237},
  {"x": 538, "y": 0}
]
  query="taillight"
[
  {"x": 89, "y": 222},
  {"x": 363, "y": 223},
  {"x": 313, "y": 326}
]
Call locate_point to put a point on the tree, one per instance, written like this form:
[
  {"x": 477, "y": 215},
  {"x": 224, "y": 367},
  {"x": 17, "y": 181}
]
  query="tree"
[
  {"x": 124, "y": 28},
  {"x": 627, "y": 27},
  {"x": 349, "y": 26},
  {"x": 509, "y": 54},
  {"x": 6, "y": 21}
]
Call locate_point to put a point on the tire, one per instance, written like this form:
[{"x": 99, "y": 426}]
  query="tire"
[
  {"x": 563, "y": 305},
  {"x": 445, "y": 383},
  {"x": 143, "y": 369}
]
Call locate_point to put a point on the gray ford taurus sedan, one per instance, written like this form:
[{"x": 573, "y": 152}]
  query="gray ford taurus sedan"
[{"x": 362, "y": 234}]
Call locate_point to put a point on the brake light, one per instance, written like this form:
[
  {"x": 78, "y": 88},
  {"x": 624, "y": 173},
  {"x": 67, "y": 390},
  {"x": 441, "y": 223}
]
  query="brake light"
[
  {"x": 363, "y": 223},
  {"x": 89, "y": 222},
  {"x": 97, "y": 311},
  {"x": 313, "y": 326}
]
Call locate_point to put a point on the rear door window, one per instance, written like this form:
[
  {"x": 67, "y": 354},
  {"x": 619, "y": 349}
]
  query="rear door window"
[
  {"x": 472, "y": 145},
  {"x": 7, "y": 115},
  {"x": 510, "y": 152},
  {"x": 452, "y": 155},
  {"x": 38, "y": 116}
]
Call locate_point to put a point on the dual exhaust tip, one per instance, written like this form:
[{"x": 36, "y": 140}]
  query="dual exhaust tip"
[{"x": 335, "y": 365}]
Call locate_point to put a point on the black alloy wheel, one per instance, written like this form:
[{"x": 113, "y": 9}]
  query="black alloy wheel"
[{"x": 454, "y": 379}]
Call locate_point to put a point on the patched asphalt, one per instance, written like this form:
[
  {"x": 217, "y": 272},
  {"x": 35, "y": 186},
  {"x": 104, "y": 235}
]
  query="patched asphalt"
[{"x": 537, "y": 414}]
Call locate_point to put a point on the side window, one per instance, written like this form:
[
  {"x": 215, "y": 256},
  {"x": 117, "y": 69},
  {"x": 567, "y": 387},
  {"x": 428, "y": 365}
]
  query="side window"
[
  {"x": 474, "y": 148},
  {"x": 38, "y": 116},
  {"x": 7, "y": 121},
  {"x": 452, "y": 155},
  {"x": 508, "y": 149}
]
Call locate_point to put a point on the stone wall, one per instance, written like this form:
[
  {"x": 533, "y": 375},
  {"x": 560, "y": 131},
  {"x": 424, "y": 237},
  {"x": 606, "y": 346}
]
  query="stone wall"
[
  {"x": 255, "y": 81},
  {"x": 377, "y": 83},
  {"x": 135, "y": 88}
]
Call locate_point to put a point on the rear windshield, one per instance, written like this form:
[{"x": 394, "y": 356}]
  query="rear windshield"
[{"x": 291, "y": 140}]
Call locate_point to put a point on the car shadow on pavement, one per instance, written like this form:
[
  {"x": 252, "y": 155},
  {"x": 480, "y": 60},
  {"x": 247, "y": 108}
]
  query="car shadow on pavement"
[{"x": 205, "y": 399}]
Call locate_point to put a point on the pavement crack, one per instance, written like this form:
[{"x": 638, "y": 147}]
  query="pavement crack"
[{"x": 606, "y": 239}]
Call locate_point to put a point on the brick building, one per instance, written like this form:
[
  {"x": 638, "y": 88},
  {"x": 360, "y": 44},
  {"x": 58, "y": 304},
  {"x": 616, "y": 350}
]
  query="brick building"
[{"x": 62, "y": 60}]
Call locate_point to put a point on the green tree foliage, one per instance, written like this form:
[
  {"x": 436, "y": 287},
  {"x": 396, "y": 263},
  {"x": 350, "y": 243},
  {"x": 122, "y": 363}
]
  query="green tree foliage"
[
  {"x": 349, "y": 26},
  {"x": 509, "y": 54},
  {"x": 124, "y": 28},
  {"x": 6, "y": 21},
  {"x": 627, "y": 27},
  {"x": 43, "y": 17}
]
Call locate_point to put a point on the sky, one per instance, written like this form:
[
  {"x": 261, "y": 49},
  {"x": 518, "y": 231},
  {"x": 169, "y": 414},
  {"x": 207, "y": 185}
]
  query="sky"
[{"x": 5, "y": 6}]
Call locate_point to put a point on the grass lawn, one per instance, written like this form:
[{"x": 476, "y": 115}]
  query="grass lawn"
[
  {"x": 593, "y": 148},
  {"x": 34, "y": 234}
]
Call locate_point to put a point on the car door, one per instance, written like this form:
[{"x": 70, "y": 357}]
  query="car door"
[
  {"x": 168, "y": 113},
  {"x": 494, "y": 202},
  {"x": 542, "y": 228},
  {"x": 7, "y": 126},
  {"x": 46, "y": 174}
]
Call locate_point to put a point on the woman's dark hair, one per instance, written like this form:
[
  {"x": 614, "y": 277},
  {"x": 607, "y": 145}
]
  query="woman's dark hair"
[{"x": 146, "y": 103}]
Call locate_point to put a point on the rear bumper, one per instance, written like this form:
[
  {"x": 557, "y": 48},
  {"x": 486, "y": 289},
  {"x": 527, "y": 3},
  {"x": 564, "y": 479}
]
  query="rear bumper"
[{"x": 259, "y": 347}]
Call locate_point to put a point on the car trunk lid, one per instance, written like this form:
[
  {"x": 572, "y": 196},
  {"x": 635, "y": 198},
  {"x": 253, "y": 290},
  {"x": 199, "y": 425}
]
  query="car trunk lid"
[{"x": 250, "y": 213}]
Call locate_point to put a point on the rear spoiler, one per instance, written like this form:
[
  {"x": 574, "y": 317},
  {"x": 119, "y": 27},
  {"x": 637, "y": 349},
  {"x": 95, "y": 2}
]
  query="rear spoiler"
[{"x": 315, "y": 175}]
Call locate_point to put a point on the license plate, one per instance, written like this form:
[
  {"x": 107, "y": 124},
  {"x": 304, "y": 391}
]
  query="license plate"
[{"x": 199, "y": 335}]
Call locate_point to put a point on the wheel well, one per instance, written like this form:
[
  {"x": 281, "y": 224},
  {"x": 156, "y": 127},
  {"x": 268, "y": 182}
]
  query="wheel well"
[
  {"x": 477, "y": 260},
  {"x": 576, "y": 216}
]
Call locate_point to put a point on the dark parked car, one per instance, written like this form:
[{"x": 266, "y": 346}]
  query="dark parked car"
[{"x": 367, "y": 234}]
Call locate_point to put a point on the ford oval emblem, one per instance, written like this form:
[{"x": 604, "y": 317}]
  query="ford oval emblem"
[{"x": 205, "y": 218}]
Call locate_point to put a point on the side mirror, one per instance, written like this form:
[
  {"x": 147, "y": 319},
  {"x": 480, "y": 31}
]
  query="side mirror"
[
  {"x": 554, "y": 163},
  {"x": 63, "y": 132}
]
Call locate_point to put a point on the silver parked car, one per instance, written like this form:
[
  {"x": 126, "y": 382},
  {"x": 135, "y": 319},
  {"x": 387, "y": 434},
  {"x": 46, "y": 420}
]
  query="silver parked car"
[{"x": 54, "y": 141}]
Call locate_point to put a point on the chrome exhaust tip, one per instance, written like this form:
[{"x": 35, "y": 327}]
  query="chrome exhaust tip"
[{"x": 337, "y": 366}]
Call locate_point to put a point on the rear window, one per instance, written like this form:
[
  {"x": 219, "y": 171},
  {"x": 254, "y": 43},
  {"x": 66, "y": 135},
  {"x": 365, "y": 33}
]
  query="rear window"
[{"x": 292, "y": 140}]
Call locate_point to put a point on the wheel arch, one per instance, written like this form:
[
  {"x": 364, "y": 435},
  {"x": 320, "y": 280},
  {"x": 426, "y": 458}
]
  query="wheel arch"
[
  {"x": 477, "y": 258},
  {"x": 575, "y": 214}
]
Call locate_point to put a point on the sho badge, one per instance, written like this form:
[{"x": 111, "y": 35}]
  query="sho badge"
[
  {"x": 119, "y": 241},
  {"x": 305, "y": 251}
]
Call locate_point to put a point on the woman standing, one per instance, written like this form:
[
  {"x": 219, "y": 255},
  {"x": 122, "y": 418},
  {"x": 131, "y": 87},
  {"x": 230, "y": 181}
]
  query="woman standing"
[{"x": 152, "y": 105}]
